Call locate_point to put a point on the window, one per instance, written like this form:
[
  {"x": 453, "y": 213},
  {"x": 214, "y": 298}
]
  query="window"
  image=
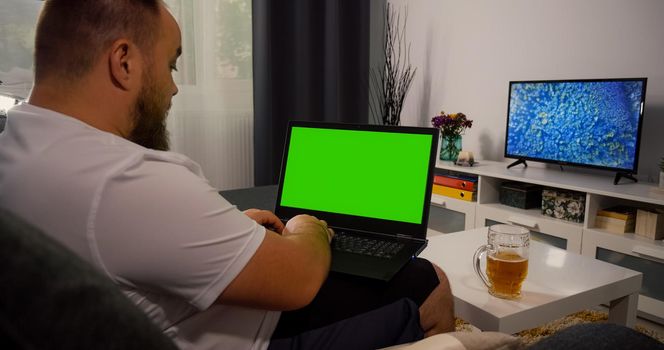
[{"x": 17, "y": 32}]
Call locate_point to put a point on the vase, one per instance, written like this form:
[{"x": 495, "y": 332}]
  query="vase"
[
  {"x": 661, "y": 179},
  {"x": 450, "y": 146}
]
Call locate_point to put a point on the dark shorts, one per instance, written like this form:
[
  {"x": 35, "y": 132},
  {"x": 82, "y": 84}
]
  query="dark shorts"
[
  {"x": 342, "y": 297},
  {"x": 396, "y": 323}
]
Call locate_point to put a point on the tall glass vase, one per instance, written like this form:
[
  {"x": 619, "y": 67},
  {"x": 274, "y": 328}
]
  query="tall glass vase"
[{"x": 450, "y": 146}]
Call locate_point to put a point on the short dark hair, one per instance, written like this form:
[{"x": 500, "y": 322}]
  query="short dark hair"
[{"x": 71, "y": 34}]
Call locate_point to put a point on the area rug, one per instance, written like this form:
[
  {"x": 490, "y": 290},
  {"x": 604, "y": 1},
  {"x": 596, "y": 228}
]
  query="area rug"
[{"x": 533, "y": 335}]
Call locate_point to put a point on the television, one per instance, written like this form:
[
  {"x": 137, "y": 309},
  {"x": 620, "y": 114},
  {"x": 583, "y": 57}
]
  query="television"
[{"x": 592, "y": 123}]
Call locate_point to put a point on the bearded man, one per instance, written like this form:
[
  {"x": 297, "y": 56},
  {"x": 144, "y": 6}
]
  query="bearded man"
[{"x": 86, "y": 160}]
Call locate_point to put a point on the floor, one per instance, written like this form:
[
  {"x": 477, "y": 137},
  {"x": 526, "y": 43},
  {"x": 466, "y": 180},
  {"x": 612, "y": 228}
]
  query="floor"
[{"x": 659, "y": 328}]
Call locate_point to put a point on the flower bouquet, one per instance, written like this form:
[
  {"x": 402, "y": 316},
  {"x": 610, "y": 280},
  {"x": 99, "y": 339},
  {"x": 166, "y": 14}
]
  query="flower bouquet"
[{"x": 451, "y": 128}]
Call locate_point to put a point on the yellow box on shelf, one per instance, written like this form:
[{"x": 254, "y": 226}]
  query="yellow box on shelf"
[
  {"x": 618, "y": 219},
  {"x": 614, "y": 225},
  {"x": 454, "y": 193}
]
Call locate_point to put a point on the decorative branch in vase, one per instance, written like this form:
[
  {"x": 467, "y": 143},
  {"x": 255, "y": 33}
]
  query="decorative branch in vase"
[
  {"x": 389, "y": 83},
  {"x": 451, "y": 127}
]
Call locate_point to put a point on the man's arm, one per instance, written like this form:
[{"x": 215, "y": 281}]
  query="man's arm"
[{"x": 287, "y": 270}]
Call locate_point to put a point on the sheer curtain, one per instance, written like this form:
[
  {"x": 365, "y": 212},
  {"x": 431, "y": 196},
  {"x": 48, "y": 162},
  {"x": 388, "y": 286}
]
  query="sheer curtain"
[
  {"x": 17, "y": 32},
  {"x": 211, "y": 120}
]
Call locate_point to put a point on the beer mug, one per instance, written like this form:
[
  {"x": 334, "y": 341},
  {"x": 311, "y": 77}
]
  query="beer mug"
[{"x": 506, "y": 260}]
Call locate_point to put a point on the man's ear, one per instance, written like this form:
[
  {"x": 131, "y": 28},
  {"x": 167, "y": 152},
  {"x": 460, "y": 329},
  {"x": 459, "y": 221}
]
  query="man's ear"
[{"x": 124, "y": 64}]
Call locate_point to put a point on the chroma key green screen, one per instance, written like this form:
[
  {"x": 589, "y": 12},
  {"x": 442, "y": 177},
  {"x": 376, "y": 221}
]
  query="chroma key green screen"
[{"x": 372, "y": 174}]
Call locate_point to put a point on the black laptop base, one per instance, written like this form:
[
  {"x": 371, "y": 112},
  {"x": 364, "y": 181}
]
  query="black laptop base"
[{"x": 365, "y": 266}]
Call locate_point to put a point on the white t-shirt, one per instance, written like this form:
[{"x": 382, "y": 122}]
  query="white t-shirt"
[{"x": 147, "y": 219}]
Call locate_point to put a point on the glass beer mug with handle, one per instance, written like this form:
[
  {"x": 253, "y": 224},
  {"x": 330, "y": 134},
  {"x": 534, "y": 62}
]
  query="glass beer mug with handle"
[{"x": 506, "y": 260}]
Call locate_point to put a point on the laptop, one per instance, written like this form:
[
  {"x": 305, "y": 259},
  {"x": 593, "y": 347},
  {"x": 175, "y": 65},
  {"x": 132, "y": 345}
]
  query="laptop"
[{"x": 370, "y": 183}]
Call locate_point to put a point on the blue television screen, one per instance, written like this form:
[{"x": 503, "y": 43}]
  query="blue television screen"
[{"x": 594, "y": 123}]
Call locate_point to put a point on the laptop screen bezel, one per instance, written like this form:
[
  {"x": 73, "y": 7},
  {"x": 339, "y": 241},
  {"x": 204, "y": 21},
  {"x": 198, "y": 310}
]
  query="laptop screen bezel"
[{"x": 362, "y": 223}]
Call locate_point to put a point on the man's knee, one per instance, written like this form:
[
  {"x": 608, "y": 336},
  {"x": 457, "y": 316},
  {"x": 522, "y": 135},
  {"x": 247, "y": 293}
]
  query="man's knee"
[
  {"x": 437, "y": 312},
  {"x": 442, "y": 277},
  {"x": 422, "y": 268},
  {"x": 416, "y": 280}
]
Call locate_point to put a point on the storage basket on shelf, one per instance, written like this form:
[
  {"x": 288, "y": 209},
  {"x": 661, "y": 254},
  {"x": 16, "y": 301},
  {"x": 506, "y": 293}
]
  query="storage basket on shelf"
[
  {"x": 520, "y": 195},
  {"x": 564, "y": 204}
]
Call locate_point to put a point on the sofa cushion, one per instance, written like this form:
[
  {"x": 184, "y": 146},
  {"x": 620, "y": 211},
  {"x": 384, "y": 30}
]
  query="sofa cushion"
[{"x": 50, "y": 298}]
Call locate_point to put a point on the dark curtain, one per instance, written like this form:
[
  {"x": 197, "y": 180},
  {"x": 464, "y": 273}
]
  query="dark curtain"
[{"x": 311, "y": 62}]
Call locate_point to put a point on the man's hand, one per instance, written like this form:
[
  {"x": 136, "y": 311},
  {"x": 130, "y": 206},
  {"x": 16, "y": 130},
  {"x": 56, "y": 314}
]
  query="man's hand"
[
  {"x": 308, "y": 223},
  {"x": 267, "y": 219}
]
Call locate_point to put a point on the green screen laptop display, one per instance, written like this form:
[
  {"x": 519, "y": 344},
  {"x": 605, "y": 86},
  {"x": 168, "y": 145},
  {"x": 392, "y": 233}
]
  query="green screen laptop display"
[{"x": 373, "y": 174}]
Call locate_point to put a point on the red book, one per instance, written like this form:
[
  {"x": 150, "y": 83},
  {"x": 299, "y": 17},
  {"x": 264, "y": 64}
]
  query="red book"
[{"x": 455, "y": 182}]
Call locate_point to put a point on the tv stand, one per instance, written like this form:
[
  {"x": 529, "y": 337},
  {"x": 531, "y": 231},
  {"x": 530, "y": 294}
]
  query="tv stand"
[
  {"x": 626, "y": 175},
  {"x": 517, "y": 162}
]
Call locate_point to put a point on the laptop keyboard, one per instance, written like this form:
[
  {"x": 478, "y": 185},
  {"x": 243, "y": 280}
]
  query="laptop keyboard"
[{"x": 366, "y": 246}]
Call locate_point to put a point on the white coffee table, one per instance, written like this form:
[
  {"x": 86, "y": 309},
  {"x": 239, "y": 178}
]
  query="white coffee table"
[{"x": 559, "y": 283}]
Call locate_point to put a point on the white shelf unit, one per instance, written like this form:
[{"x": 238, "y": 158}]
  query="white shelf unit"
[
  {"x": 465, "y": 207},
  {"x": 628, "y": 250}
]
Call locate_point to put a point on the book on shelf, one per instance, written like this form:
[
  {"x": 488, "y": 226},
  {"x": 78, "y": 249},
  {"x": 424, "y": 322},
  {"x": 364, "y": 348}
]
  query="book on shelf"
[
  {"x": 461, "y": 182},
  {"x": 453, "y": 192},
  {"x": 650, "y": 223}
]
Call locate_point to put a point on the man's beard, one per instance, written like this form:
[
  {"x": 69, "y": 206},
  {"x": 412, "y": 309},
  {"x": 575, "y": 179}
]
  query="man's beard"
[{"x": 150, "y": 119}]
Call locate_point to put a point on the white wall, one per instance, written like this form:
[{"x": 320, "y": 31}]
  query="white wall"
[{"x": 466, "y": 52}]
